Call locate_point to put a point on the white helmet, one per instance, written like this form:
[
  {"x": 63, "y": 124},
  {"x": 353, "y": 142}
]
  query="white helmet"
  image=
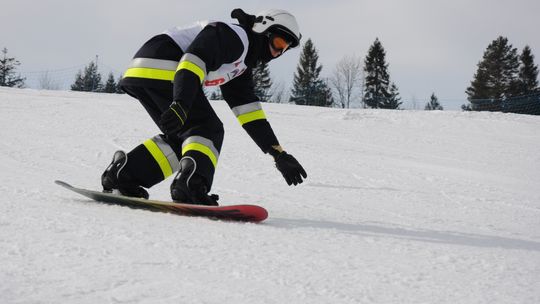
[{"x": 280, "y": 22}]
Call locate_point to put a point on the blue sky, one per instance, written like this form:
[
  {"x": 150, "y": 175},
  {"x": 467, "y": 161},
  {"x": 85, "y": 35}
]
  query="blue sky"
[{"x": 432, "y": 46}]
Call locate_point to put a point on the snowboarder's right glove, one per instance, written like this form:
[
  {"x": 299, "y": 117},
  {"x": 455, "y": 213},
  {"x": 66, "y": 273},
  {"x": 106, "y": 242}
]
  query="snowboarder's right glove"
[
  {"x": 173, "y": 119},
  {"x": 290, "y": 168}
]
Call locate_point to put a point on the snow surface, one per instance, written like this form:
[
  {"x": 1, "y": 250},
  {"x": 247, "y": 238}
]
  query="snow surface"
[{"x": 398, "y": 207}]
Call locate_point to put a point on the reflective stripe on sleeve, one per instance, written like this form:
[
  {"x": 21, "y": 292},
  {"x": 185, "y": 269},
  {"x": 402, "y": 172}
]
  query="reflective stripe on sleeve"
[
  {"x": 193, "y": 64},
  {"x": 249, "y": 112},
  {"x": 203, "y": 145},
  {"x": 163, "y": 154}
]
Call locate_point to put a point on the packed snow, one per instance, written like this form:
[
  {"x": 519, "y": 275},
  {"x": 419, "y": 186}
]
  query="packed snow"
[{"x": 398, "y": 207}]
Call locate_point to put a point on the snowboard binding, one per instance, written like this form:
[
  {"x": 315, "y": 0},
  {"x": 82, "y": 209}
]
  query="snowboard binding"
[
  {"x": 117, "y": 180},
  {"x": 190, "y": 188}
]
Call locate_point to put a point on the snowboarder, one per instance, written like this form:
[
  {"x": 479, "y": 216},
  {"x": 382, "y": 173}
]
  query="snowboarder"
[{"x": 167, "y": 75}]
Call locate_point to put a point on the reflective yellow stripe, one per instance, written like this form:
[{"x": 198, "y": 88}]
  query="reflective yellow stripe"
[
  {"x": 201, "y": 148},
  {"x": 150, "y": 73},
  {"x": 249, "y": 117},
  {"x": 179, "y": 117},
  {"x": 160, "y": 158},
  {"x": 192, "y": 68}
]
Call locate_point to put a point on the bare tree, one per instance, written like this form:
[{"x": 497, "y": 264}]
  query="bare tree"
[
  {"x": 347, "y": 78},
  {"x": 47, "y": 83},
  {"x": 414, "y": 102},
  {"x": 278, "y": 93}
]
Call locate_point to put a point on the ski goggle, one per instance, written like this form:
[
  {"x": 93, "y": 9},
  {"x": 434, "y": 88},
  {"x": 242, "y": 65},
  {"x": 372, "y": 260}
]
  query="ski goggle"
[{"x": 279, "y": 43}]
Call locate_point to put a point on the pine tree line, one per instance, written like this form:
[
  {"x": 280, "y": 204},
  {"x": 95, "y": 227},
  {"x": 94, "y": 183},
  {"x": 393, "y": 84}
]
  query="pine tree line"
[
  {"x": 90, "y": 80},
  {"x": 501, "y": 75},
  {"x": 351, "y": 81},
  {"x": 308, "y": 87}
]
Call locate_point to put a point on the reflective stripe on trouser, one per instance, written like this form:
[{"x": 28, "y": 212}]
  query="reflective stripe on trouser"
[
  {"x": 249, "y": 112},
  {"x": 163, "y": 154},
  {"x": 152, "y": 161},
  {"x": 203, "y": 145},
  {"x": 151, "y": 68}
]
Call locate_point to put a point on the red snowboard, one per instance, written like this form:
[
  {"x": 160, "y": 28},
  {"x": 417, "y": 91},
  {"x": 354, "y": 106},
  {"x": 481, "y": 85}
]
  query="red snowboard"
[{"x": 244, "y": 213}]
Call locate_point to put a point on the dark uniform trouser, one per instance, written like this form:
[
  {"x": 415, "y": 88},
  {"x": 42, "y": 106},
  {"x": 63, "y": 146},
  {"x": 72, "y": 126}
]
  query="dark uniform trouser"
[{"x": 201, "y": 138}]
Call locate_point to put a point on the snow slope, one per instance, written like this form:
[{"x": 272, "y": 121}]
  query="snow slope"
[{"x": 398, "y": 207}]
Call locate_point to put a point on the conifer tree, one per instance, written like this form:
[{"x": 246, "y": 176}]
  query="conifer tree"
[
  {"x": 216, "y": 95},
  {"x": 262, "y": 81},
  {"x": 393, "y": 101},
  {"x": 8, "y": 66},
  {"x": 497, "y": 73},
  {"x": 118, "y": 89},
  {"x": 308, "y": 87},
  {"x": 324, "y": 96},
  {"x": 378, "y": 91},
  {"x": 110, "y": 85},
  {"x": 89, "y": 80},
  {"x": 433, "y": 104},
  {"x": 528, "y": 72}
]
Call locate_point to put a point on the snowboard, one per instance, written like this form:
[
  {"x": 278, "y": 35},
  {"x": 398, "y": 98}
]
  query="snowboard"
[{"x": 243, "y": 213}]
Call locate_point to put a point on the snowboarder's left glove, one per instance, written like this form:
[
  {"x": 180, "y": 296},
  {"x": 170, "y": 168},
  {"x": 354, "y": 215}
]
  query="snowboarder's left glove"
[
  {"x": 173, "y": 119},
  {"x": 290, "y": 168}
]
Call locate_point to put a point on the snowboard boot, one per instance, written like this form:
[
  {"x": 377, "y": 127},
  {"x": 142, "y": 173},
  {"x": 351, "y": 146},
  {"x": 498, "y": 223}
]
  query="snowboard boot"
[
  {"x": 115, "y": 179},
  {"x": 190, "y": 188}
]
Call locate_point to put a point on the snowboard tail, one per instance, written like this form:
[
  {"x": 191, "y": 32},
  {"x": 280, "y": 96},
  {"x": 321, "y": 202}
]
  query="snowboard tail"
[{"x": 243, "y": 213}]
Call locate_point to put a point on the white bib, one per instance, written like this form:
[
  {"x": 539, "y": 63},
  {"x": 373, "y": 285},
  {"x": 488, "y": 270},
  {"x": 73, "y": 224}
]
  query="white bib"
[{"x": 184, "y": 36}]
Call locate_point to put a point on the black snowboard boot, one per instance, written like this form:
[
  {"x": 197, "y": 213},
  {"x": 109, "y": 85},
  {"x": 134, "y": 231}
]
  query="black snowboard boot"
[
  {"x": 114, "y": 179},
  {"x": 190, "y": 188}
]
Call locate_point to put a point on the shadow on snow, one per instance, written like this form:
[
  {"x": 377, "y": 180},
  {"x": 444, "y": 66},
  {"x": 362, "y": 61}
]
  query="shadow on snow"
[{"x": 429, "y": 236}]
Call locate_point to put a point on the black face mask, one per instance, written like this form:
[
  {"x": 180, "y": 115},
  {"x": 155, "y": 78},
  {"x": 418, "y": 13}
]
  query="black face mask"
[
  {"x": 259, "y": 49},
  {"x": 266, "y": 54}
]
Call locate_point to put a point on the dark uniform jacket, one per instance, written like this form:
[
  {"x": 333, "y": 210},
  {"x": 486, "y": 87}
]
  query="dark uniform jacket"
[{"x": 207, "y": 54}]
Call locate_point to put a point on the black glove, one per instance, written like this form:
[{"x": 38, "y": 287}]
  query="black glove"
[
  {"x": 290, "y": 168},
  {"x": 173, "y": 119}
]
